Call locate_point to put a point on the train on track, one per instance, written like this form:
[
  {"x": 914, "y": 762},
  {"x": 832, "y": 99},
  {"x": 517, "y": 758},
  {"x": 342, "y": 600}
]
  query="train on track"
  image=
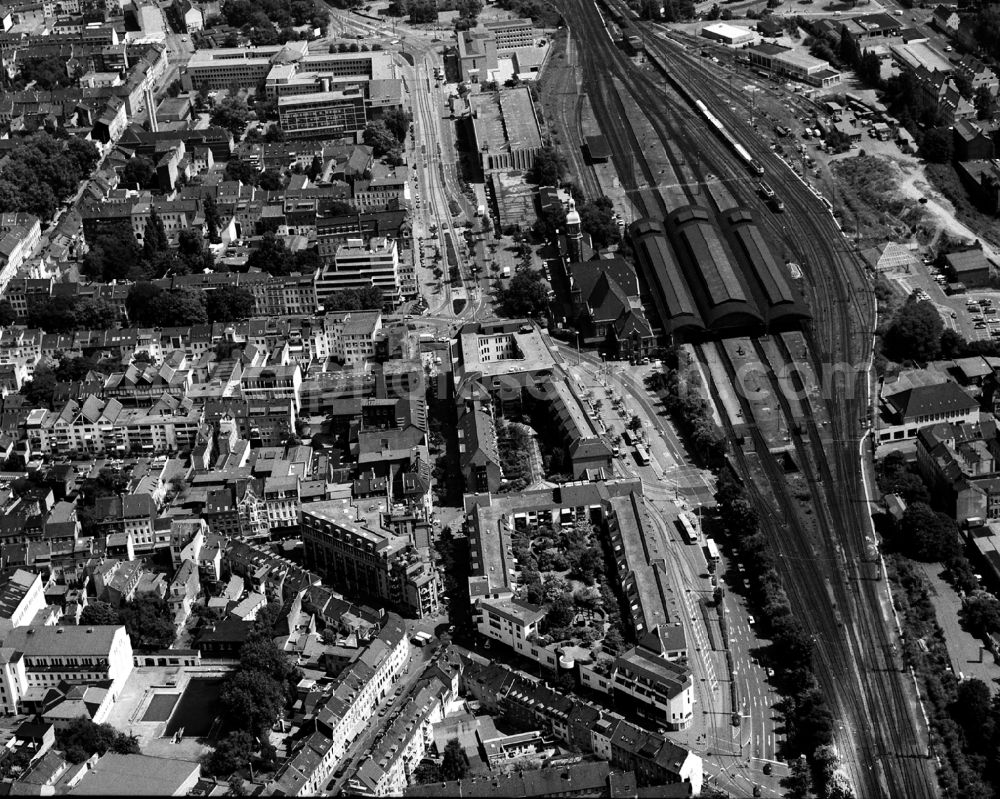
[
  {"x": 770, "y": 196},
  {"x": 723, "y": 132}
]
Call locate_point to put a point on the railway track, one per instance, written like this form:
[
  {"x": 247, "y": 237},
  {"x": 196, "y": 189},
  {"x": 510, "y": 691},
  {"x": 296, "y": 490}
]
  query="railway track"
[{"x": 881, "y": 738}]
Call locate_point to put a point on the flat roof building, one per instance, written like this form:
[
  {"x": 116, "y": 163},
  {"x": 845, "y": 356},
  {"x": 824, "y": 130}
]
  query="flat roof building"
[
  {"x": 355, "y": 265},
  {"x": 506, "y": 129},
  {"x": 729, "y": 35}
]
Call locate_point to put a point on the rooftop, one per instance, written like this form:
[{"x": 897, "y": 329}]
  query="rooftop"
[
  {"x": 138, "y": 775},
  {"x": 42, "y": 641}
]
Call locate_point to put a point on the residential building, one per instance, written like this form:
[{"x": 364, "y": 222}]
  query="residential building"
[
  {"x": 358, "y": 550},
  {"x": 352, "y": 336},
  {"x": 38, "y": 658},
  {"x": 22, "y": 597}
]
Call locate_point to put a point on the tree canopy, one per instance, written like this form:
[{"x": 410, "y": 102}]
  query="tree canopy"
[
  {"x": 82, "y": 738},
  {"x": 149, "y": 622},
  {"x": 139, "y": 171},
  {"x": 595, "y": 219},
  {"x": 915, "y": 333},
  {"x": 272, "y": 256},
  {"x": 65, "y": 314},
  {"x": 927, "y": 535},
  {"x": 229, "y": 304},
  {"x": 525, "y": 295},
  {"x": 100, "y": 613},
  {"x": 232, "y": 114},
  {"x": 549, "y": 167},
  {"x": 363, "y": 299},
  {"x": 41, "y": 171}
]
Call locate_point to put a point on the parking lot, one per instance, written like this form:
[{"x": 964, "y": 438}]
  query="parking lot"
[{"x": 975, "y": 314}]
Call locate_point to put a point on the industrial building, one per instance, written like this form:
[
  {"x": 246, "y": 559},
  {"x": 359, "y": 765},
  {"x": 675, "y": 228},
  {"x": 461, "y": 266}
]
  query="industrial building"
[
  {"x": 790, "y": 63},
  {"x": 730, "y": 35},
  {"x": 703, "y": 281}
]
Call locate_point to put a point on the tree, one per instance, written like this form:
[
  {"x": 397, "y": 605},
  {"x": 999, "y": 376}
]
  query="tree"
[
  {"x": 232, "y": 114},
  {"x": 378, "y": 136},
  {"x": 260, "y": 653},
  {"x": 525, "y": 295},
  {"x": 271, "y": 180},
  {"x": 149, "y": 622},
  {"x": 253, "y": 700},
  {"x": 94, "y": 314},
  {"x": 367, "y": 298},
  {"x": 112, "y": 256},
  {"x": 243, "y": 171},
  {"x": 140, "y": 297},
  {"x": 192, "y": 250},
  {"x": 39, "y": 390},
  {"x": 154, "y": 236},
  {"x": 927, "y": 535},
  {"x": 229, "y": 304},
  {"x": 7, "y": 314},
  {"x": 211, "y": 218},
  {"x": 981, "y": 614},
  {"x": 82, "y": 738},
  {"x": 595, "y": 219},
  {"x": 454, "y": 762},
  {"x": 397, "y": 122},
  {"x": 139, "y": 172},
  {"x": 48, "y": 72},
  {"x": 895, "y": 477},
  {"x": 271, "y": 256},
  {"x": 971, "y": 709},
  {"x": 315, "y": 168},
  {"x": 915, "y": 333},
  {"x": 549, "y": 167},
  {"x": 99, "y": 613},
  {"x": 985, "y": 102},
  {"x": 937, "y": 145},
  {"x": 231, "y": 754},
  {"x": 178, "y": 308}
]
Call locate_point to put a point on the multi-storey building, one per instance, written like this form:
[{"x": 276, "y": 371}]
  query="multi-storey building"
[
  {"x": 21, "y": 598},
  {"x": 352, "y": 336},
  {"x": 390, "y": 766},
  {"x": 355, "y": 550},
  {"x": 356, "y": 266},
  {"x": 346, "y": 708},
  {"x": 323, "y": 113},
  {"x": 37, "y": 658},
  {"x": 272, "y": 384}
]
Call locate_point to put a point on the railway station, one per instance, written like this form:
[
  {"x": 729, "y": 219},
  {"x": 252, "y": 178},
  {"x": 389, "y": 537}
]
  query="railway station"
[{"x": 710, "y": 282}]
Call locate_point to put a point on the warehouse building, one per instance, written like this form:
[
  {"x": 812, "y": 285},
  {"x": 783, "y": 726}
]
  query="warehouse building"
[
  {"x": 792, "y": 64},
  {"x": 730, "y": 35}
]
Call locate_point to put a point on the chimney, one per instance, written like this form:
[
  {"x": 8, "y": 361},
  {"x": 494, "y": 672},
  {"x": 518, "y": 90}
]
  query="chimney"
[{"x": 151, "y": 108}]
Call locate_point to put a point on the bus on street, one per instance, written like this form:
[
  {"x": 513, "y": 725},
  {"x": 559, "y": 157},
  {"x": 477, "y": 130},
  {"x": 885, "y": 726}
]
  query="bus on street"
[
  {"x": 641, "y": 455},
  {"x": 711, "y": 551}
]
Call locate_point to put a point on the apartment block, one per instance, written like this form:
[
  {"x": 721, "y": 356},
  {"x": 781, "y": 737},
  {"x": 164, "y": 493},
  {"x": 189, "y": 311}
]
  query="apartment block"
[{"x": 351, "y": 547}]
